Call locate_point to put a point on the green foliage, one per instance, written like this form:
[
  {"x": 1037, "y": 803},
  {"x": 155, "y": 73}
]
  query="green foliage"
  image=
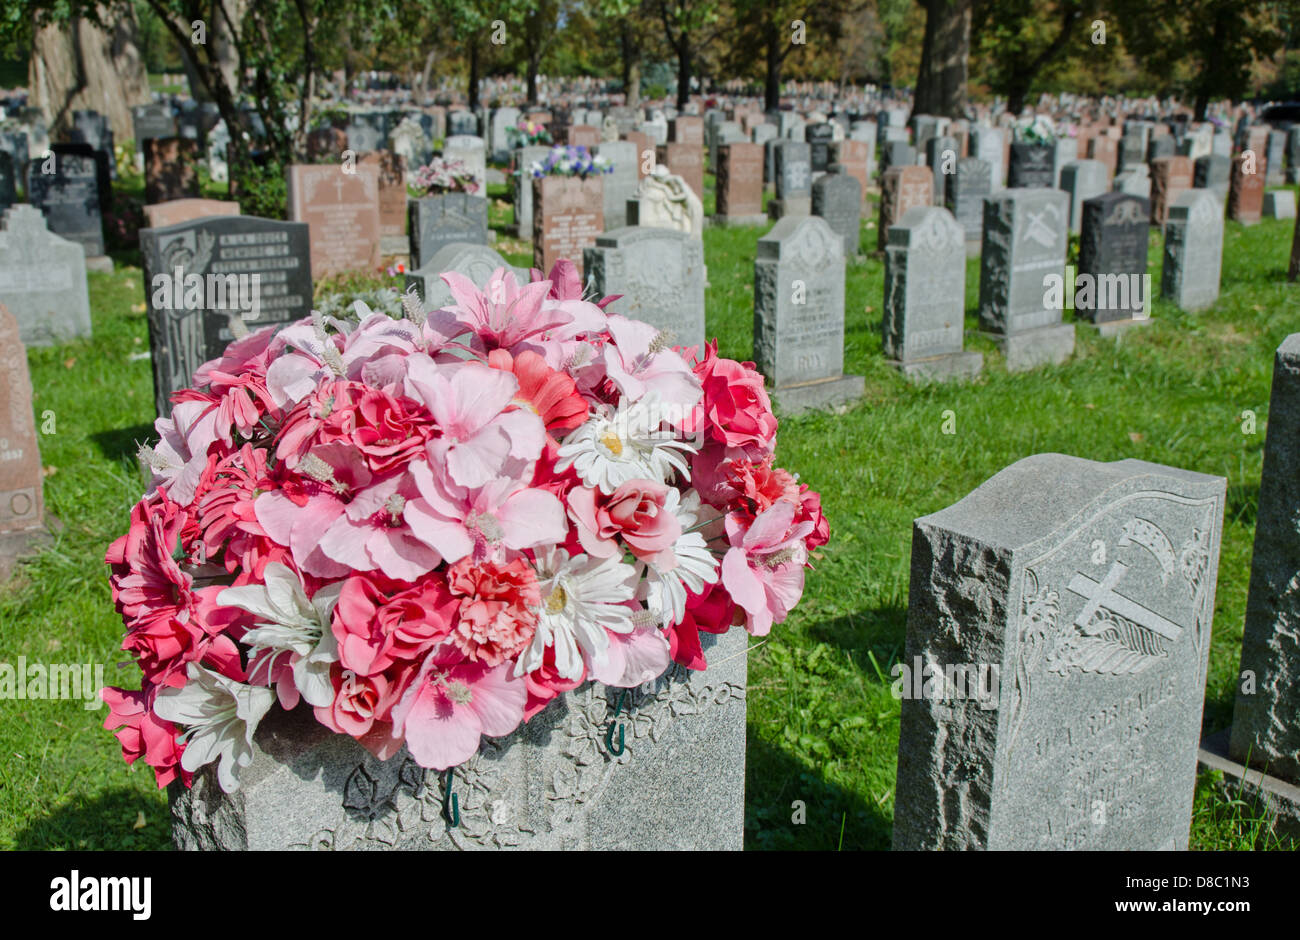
[{"x": 262, "y": 190}]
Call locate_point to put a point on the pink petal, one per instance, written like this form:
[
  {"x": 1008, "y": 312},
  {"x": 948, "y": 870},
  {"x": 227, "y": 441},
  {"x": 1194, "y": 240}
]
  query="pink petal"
[
  {"x": 499, "y": 700},
  {"x": 531, "y": 518}
]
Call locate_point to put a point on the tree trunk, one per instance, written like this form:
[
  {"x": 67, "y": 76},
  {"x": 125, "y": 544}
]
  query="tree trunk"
[
  {"x": 426, "y": 76},
  {"x": 530, "y": 77},
  {"x": 945, "y": 57},
  {"x": 683, "y": 74},
  {"x": 78, "y": 66},
  {"x": 472, "y": 93},
  {"x": 631, "y": 67},
  {"x": 772, "y": 78}
]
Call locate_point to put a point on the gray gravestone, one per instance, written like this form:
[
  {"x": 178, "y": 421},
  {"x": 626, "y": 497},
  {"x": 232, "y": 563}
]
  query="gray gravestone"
[
  {"x": 1293, "y": 154},
  {"x": 1276, "y": 171},
  {"x": 896, "y": 153},
  {"x": 1084, "y": 594},
  {"x": 792, "y": 175},
  {"x": 1214, "y": 173},
  {"x": 660, "y": 274},
  {"x": 42, "y": 279},
  {"x": 1113, "y": 261},
  {"x": 70, "y": 199},
  {"x": 1193, "y": 257},
  {"x": 522, "y": 181},
  {"x": 967, "y": 190},
  {"x": 799, "y": 314},
  {"x": 818, "y": 137},
  {"x": 837, "y": 198},
  {"x": 1279, "y": 204},
  {"x": 987, "y": 144},
  {"x": 620, "y": 184},
  {"x": 152, "y": 122},
  {"x": 1024, "y": 244},
  {"x": 435, "y": 221},
  {"x": 1033, "y": 166},
  {"x": 941, "y": 155},
  {"x": 1081, "y": 180},
  {"x": 550, "y": 785},
  {"x": 470, "y": 151},
  {"x": 475, "y": 261},
  {"x": 502, "y": 120},
  {"x": 218, "y": 248},
  {"x": 925, "y": 295}
]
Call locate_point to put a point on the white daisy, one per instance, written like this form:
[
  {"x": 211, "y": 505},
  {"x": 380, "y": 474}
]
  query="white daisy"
[
  {"x": 219, "y": 717},
  {"x": 581, "y": 598},
  {"x": 290, "y": 625},
  {"x": 609, "y": 450},
  {"x": 665, "y": 591}
]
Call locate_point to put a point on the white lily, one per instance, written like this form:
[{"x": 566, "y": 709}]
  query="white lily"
[{"x": 290, "y": 624}]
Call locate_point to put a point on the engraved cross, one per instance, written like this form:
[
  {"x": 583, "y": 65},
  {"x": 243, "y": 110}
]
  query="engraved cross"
[{"x": 1103, "y": 594}]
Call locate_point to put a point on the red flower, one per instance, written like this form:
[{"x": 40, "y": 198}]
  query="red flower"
[
  {"x": 143, "y": 734},
  {"x": 497, "y": 602},
  {"x": 735, "y": 403},
  {"x": 379, "y": 622},
  {"x": 713, "y": 611},
  {"x": 550, "y": 394}
]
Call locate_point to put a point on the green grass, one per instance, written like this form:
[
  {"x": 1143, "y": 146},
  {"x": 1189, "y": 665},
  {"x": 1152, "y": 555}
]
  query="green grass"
[{"x": 823, "y": 727}]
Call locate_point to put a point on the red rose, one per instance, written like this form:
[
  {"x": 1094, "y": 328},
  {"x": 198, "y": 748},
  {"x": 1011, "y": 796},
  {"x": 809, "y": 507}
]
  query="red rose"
[{"x": 735, "y": 402}]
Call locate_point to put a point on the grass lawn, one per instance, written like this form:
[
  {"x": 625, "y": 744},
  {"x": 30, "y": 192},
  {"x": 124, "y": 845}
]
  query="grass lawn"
[{"x": 823, "y": 726}]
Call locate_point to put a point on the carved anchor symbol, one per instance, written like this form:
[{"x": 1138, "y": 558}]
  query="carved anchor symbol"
[{"x": 1103, "y": 595}]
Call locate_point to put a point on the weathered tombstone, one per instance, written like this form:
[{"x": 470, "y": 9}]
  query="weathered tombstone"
[
  {"x": 93, "y": 130},
  {"x": 1113, "y": 262},
  {"x": 925, "y": 295},
  {"x": 1213, "y": 172},
  {"x": 1170, "y": 178},
  {"x": 42, "y": 279},
  {"x": 739, "y": 184},
  {"x": 502, "y": 120},
  {"x": 1132, "y": 148},
  {"x": 660, "y": 274},
  {"x": 1279, "y": 204},
  {"x": 69, "y": 197},
  {"x": 470, "y": 151},
  {"x": 1063, "y": 613},
  {"x": 1160, "y": 148},
  {"x": 686, "y": 129},
  {"x": 198, "y": 279},
  {"x": 1033, "y": 166},
  {"x": 792, "y": 176},
  {"x": 341, "y": 210},
  {"x": 1025, "y": 235},
  {"x": 392, "y": 201},
  {"x": 1245, "y": 192},
  {"x": 837, "y": 198},
  {"x": 22, "y": 504},
  {"x": 170, "y": 169},
  {"x": 686, "y": 161},
  {"x": 186, "y": 210},
  {"x": 620, "y": 183},
  {"x": 1105, "y": 150},
  {"x": 799, "y": 315},
  {"x": 522, "y": 181},
  {"x": 568, "y": 214},
  {"x": 410, "y": 141},
  {"x": 152, "y": 122},
  {"x": 901, "y": 188},
  {"x": 366, "y": 132},
  {"x": 967, "y": 190},
  {"x": 1081, "y": 180},
  {"x": 941, "y": 155},
  {"x": 818, "y": 138},
  {"x": 1193, "y": 255},
  {"x": 988, "y": 144},
  {"x": 444, "y": 219},
  {"x": 475, "y": 261},
  {"x": 663, "y": 200},
  {"x": 533, "y": 789},
  {"x": 1275, "y": 173},
  {"x": 894, "y": 153}
]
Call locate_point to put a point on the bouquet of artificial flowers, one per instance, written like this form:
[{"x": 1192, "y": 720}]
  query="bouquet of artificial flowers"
[
  {"x": 527, "y": 133},
  {"x": 440, "y": 176},
  {"x": 424, "y": 528},
  {"x": 570, "y": 161}
]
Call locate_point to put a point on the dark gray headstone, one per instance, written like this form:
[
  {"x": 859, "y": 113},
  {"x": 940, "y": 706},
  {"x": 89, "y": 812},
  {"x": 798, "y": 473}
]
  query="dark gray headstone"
[
  {"x": 1213, "y": 172},
  {"x": 152, "y": 122},
  {"x": 896, "y": 153},
  {"x": 1032, "y": 166},
  {"x": 1113, "y": 255},
  {"x": 183, "y": 336},
  {"x": 69, "y": 197},
  {"x": 435, "y": 221},
  {"x": 837, "y": 198},
  {"x": 941, "y": 154},
  {"x": 1062, "y": 612},
  {"x": 8, "y": 181},
  {"x": 967, "y": 189},
  {"x": 819, "y": 137}
]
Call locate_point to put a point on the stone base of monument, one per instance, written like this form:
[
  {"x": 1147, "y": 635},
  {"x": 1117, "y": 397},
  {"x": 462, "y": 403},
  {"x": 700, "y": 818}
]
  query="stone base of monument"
[
  {"x": 1278, "y": 800},
  {"x": 1029, "y": 349},
  {"x": 824, "y": 393},
  {"x": 1115, "y": 327},
  {"x": 721, "y": 221},
  {"x": 779, "y": 208},
  {"x": 101, "y": 263},
  {"x": 957, "y": 367},
  {"x": 553, "y": 784}
]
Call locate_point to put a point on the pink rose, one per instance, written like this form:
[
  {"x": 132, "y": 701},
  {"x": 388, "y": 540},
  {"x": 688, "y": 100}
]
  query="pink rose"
[
  {"x": 635, "y": 511},
  {"x": 360, "y": 703},
  {"x": 735, "y": 403},
  {"x": 380, "y": 622}
]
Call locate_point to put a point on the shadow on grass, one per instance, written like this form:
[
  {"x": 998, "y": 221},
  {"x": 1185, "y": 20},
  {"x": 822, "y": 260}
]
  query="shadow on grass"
[
  {"x": 880, "y": 631},
  {"x": 119, "y": 443},
  {"x": 103, "y": 822},
  {"x": 835, "y": 817}
]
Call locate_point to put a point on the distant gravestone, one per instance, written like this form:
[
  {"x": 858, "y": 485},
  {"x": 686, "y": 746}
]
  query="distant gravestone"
[
  {"x": 1213, "y": 172},
  {"x": 799, "y": 315},
  {"x": 901, "y": 188},
  {"x": 1113, "y": 255},
  {"x": 1089, "y": 588},
  {"x": 1170, "y": 178},
  {"x": 967, "y": 190},
  {"x": 188, "y": 329},
  {"x": 686, "y": 129},
  {"x": 152, "y": 122},
  {"x": 665, "y": 201},
  {"x": 1276, "y": 148},
  {"x": 1193, "y": 257},
  {"x": 445, "y": 219},
  {"x": 1025, "y": 235},
  {"x": 8, "y": 181},
  {"x": 855, "y": 157},
  {"x": 896, "y": 153},
  {"x": 42, "y": 279},
  {"x": 1134, "y": 182},
  {"x": 392, "y": 201},
  {"x": 941, "y": 155},
  {"x": 739, "y": 184},
  {"x": 1279, "y": 204},
  {"x": 69, "y": 198},
  {"x": 925, "y": 296},
  {"x": 522, "y": 181},
  {"x": 792, "y": 177},
  {"x": 366, "y": 133},
  {"x": 1293, "y": 154},
  {"x": 1081, "y": 180},
  {"x": 818, "y": 137},
  {"x": 93, "y": 130},
  {"x": 170, "y": 169},
  {"x": 186, "y": 210},
  {"x": 1033, "y": 166},
  {"x": 476, "y": 261},
  {"x": 837, "y": 198},
  {"x": 568, "y": 214},
  {"x": 1245, "y": 192},
  {"x": 686, "y": 161},
  {"x": 22, "y": 508},
  {"x": 470, "y": 151},
  {"x": 621, "y": 182},
  {"x": 660, "y": 274},
  {"x": 342, "y": 213},
  {"x": 502, "y": 120},
  {"x": 988, "y": 144}
]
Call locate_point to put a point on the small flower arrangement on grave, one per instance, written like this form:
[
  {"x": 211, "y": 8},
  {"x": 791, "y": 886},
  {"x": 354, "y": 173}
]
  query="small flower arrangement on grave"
[
  {"x": 1038, "y": 129},
  {"x": 528, "y": 133},
  {"x": 570, "y": 161},
  {"x": 439, "y": 176},
  {"x": 423, "y": 528}
]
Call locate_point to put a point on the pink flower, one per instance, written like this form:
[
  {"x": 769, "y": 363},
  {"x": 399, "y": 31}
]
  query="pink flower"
[
  {"x": 545, "y": 683},
  {"x": 550, "y": 394},
  {"x": 497, "y": 609},
  {"x": 253, "y": 353},
  {"x": 737, "y": 409},
  {"x": 712, "y": 611},
  {"x": 380, "y": 622},
  {"x": 227, "y": 516},
  {"x": 633, "y": 658},
  {"x": 372, "y": 532},
  {"x": 504, "y": 314},
  {"x": 361, "y": 708},
  {"x": 635, "y": 512},
  {"x": 763, "y": 569},
  {"x": 641, "y": 361},
  {"x": 450, "y": 705},
  {"x": 143, "y": 734}
]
